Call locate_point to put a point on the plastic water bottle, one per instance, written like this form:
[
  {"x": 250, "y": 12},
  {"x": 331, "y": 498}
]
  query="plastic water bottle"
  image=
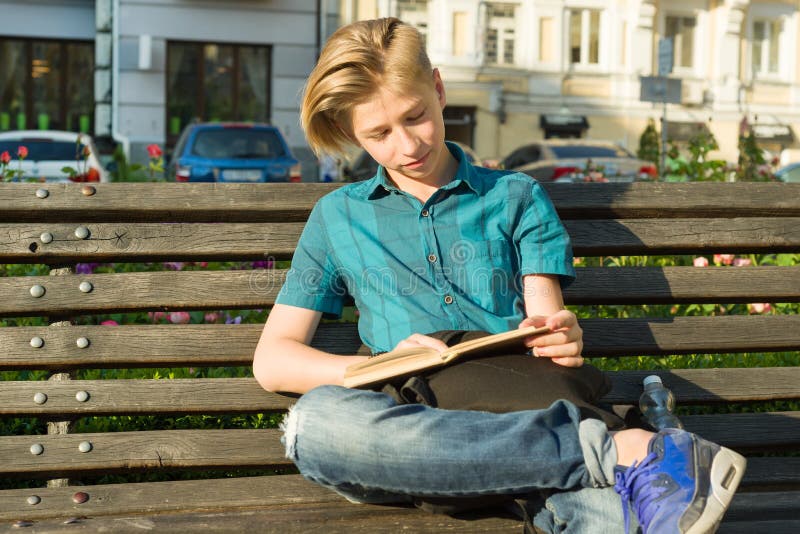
[{"x": 657, "y": 403}]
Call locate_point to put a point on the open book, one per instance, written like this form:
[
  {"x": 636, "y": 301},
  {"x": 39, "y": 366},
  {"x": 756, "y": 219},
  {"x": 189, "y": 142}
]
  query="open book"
[{"x": 402, "y": 362}]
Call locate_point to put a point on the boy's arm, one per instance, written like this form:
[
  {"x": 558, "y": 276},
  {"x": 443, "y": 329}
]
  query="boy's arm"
[
  {"x": 544, "y": 305},
  {"x": 284, "y": 361}
]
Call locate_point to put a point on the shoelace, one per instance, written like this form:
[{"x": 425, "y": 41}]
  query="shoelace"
[{"x": 638, "y": 477}]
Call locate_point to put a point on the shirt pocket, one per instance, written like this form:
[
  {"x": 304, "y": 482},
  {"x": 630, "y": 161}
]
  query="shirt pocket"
[{"x": 485, "y": 271}]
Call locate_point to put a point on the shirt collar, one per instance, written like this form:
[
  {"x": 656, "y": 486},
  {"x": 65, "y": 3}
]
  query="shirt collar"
[{"x": 380, "y": 185}]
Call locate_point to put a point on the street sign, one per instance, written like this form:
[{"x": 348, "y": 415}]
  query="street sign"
[
  {"x": 666, "y": 56},
  {"x": 660, "y": 89}
]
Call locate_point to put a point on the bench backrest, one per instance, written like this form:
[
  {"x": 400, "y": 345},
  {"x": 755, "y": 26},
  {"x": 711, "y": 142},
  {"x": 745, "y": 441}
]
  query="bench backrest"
[{"x": 49, "y": 340}]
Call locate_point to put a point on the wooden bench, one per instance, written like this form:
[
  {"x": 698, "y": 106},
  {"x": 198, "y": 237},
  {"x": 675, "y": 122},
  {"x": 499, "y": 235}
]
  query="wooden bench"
[{"x": 60, "y": 225}]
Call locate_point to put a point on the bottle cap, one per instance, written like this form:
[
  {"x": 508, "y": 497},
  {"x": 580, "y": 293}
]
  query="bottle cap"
[{"x": 652, "y": 379}]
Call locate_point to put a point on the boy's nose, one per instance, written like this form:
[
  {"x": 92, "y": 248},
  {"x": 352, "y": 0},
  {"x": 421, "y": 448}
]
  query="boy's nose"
[{"x": 409, "y": 143}]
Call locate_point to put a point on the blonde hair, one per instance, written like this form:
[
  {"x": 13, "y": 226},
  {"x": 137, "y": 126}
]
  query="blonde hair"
[{"x": 357, "y": 60}]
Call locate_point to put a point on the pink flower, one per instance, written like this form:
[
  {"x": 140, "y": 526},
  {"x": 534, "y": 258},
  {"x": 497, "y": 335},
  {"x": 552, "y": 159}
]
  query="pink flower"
[
  {"x": 179, "y": 317},
  {"x": 22, "y": 152},
  {"x": 723, "y": 259},
  {"x": 211, "y": 317},
  {"x": 202, "y": 263},
  {"x": 759, "y": 307},
  {"x": 154, "y": 151},
  {"x": 5, "y": 158},
  {"x": 156, "y": 316},
  {"x": 701, "y": 262},
  {"x": 174, "y": 265},
  {"x": 742, "y": 262},
  {"x": 110, "y": 322}
]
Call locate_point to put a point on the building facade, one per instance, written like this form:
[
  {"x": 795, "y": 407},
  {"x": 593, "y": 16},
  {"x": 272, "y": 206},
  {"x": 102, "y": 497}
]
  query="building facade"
[
  {"x": 521, "y": 70},
  {"x": 138, "y": 71}
]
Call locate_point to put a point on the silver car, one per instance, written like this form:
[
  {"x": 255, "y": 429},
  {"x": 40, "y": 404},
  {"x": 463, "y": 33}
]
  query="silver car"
[{"x": 578, "y": 160}]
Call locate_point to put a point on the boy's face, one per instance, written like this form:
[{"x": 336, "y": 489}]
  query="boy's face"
[{"x": 404, "y": 132}]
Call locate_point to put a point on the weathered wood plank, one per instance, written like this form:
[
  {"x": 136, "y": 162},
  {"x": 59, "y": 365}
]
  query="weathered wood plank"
[
  {"x": 252, "y": 492},
  {"x": 172, "y": 449},
  {"x": 292, "y": 202},
  {"x": 665, "y": 285},
  {"x": 132, "y": 451},
  {"x": 683, "y": 236},
  {"x": 257, "y": 288},
  {"x": 143, "y": 242},
  {"x": 221, "y": 345},
  {"x": 778, "y": 511},
  {"x": 109, "y": 242},
  {"x": 244, "y": 395}
]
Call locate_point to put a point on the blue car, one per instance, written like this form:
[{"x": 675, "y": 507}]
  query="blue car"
[{"x": 220, "y": 152}]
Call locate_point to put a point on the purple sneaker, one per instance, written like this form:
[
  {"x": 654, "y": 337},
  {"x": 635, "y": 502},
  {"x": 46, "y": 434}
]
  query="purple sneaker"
[{"x": 684, "y": 485}]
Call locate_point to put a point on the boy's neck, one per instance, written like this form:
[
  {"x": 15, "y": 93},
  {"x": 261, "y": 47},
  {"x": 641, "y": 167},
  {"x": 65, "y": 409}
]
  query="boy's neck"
[{"x": 424, "y": 188}]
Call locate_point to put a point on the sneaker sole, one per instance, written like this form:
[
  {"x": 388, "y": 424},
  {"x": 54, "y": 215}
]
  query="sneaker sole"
[{"x": 727, "y": 470}]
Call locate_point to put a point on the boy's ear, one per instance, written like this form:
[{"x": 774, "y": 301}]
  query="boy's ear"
[{"x": 438, "y": 85}]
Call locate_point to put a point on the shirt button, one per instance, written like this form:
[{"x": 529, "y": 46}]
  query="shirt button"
[
  {"x": 448, "y": 299},
  {"x": 425, "y": 213},
  {"x": 431, "y": 258}
]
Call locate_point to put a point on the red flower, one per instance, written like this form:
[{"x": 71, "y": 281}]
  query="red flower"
[
  {"x": 86, "y": 151},
  {"x": 154, "y": 151},
  {"x": 5, "y": 158},
  {"x": 22, "y": 152}
]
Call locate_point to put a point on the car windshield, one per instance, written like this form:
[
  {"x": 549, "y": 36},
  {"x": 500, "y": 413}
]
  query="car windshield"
[
  {"x": 44, "y": 149},
  {"x": 237, "y": 143},
  {"x": 588, "y": 151}
]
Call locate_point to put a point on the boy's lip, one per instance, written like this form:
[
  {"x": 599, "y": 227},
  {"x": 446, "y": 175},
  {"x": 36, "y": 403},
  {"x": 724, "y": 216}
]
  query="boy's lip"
[{"x": 418, "y": 163}]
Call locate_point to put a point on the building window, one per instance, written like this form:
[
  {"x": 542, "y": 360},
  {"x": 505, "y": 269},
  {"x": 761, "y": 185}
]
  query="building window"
[
  {"x": 43, "y": 85},
  {"x": 500, "y": 34},
  {"x": 584, "y": 36},
  {"x": 765, "y": 47},
  {"x": 230, "y": 83},
  {"x": 681, "y": 30},
  {"x": 415, "y": 13}
]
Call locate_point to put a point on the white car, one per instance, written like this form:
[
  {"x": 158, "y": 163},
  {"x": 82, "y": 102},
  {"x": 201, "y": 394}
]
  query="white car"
[{"x": 49, "y": 151}]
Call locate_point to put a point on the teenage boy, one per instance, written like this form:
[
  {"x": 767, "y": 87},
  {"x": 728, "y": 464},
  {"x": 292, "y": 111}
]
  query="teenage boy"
[{"x": 433, "y": 243}]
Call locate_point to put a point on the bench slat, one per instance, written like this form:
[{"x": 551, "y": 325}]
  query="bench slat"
[
  {"x": 225, "y": 345},
  {"x": 149, "y": 242},
  {"x": 250, "y": 492},
  {"x": 338, "y": 515},
  {"x": 257, "y": 288},
  {"x": 666, "y": 285},
  {"x": 244, "y": 395},
  {"x": 683, "y": 236},
  {"x": 257, "y": 241},
  {"x": 293, "y": 202},
  {"x": 124, "y": 451}
]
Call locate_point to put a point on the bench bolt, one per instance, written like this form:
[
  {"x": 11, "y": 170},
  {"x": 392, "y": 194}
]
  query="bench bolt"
[
  {"x": 88, "y": 190},
  {"x": 80, "y": 497},
  {"x": 21, "y": 524},
  {"x": 82, "y": 342},
  {"x": 37, "y": 342},
  {"x": 82, "y": 396},
  {"x": 33, "y": 500},
  {"x": 37, "y": 449},
  {"x": 42, "y": 193},
  {"x": 85, "y": 446},
  {"x": 37, "y": 291},
  {"x": 82, "y": 232},
  {"x": 40, "y": 398},
  {"x": 46, "y": 237},
  {"x": 86, "y": 287}
]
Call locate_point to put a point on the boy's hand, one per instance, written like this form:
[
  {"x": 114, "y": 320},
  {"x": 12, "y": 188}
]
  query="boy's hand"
[
  {"x": 420, "y": 340},
  {"x": 564, "y": 344}
]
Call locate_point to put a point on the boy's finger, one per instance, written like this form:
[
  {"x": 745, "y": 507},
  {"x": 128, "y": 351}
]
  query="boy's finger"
[{"x": 533, "y": 320}]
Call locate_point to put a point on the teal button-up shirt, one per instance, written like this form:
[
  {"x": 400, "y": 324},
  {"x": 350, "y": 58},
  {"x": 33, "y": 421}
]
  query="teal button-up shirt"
[{"x": 453, "y": 263}]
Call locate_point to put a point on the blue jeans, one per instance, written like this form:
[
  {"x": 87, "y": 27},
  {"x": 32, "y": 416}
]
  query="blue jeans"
[{"x": 366, "y": 447}]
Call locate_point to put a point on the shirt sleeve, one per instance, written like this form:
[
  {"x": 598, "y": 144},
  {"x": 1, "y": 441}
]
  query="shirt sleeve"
[
  {"x": 313, "y": 280},
  {"x": 542, "y": 242}
]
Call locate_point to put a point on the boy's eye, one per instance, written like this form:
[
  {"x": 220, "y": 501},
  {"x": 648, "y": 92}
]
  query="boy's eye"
[{"x": 418, "y": 116}]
